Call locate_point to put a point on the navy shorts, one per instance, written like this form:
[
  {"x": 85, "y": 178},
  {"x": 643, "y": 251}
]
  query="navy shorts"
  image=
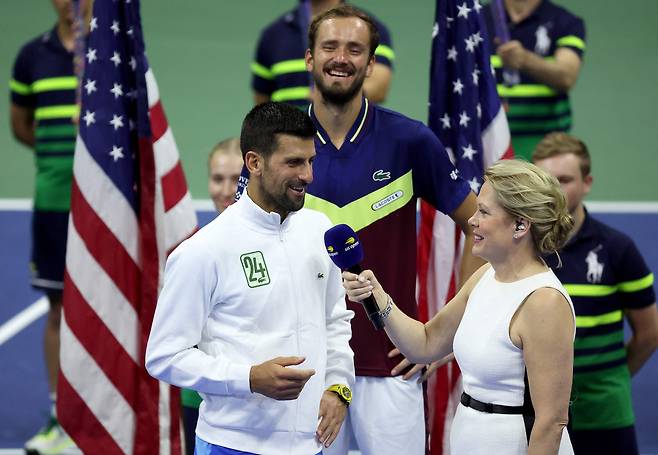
[
  {"x": 49, "y": 231},
  {"x": 618, "y": 441}
]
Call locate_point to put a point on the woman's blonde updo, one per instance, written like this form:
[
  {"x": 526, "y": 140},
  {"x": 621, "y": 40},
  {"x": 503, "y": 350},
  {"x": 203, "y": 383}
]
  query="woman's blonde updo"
[{"x": 526, "y": 191}]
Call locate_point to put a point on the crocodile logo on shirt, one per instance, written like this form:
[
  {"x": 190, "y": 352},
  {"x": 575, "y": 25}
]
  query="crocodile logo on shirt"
[
  {"x": 255, "y": 269},
  {"x": 379, "y": 175}
]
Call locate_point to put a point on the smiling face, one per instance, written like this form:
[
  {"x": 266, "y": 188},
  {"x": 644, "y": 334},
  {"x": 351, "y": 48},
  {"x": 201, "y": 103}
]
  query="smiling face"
[
  {"x": 286, "y": 174},
  {"x": 493, "y": 227},
  {"x": 341, "y": 59},
  {"x": 223, "y": 174}
]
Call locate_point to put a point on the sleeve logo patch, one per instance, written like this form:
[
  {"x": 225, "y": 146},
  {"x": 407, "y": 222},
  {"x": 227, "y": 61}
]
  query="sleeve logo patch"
[{"x": 255, "y": 269}]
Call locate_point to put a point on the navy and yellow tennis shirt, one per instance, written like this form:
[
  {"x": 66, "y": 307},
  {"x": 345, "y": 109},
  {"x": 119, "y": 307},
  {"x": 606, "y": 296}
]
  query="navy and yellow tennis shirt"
[
  {"x": 279, "y": 69},
  {"x": 605, "y": 274},
  {"x": 535, "y": 108},
  {"x": 372, "y": 183},
  {"x": 43, "y": 80}
]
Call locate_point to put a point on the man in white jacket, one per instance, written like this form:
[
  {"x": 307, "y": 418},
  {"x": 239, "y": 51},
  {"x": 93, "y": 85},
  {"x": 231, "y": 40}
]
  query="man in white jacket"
[{"x": 252, "y": 313}]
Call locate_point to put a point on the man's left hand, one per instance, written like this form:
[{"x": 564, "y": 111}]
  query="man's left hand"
[{"x": 332, "y": 413}]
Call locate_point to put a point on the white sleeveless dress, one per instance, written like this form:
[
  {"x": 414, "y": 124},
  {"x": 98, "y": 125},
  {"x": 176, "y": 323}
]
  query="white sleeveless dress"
[{"x": 493, "y": 368}]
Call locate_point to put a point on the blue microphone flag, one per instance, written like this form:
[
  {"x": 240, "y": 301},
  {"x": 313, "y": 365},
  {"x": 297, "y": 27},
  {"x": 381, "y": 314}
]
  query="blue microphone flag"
[{"x": 343, "y": 246}]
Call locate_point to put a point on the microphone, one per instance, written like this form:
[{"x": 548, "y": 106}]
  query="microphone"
[{"x": 346, "y": 252}]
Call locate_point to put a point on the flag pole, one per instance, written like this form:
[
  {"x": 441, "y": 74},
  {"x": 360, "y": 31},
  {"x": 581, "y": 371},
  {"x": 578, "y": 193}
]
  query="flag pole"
[{"x": 510, "y": 77}]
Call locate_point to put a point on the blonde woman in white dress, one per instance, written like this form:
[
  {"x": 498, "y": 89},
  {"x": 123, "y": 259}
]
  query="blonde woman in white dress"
[{"x": 510, "y": 318}]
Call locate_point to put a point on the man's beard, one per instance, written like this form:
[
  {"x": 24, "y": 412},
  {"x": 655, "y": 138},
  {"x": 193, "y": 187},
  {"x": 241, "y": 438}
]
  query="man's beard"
[
  {"x": 281, "y": 202},
  {"x": 339, "y": 97}
]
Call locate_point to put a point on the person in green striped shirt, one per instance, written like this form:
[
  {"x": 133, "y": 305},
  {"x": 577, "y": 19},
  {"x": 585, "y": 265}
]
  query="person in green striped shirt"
[
  {"x": 43, "y": 113},
  {"x": 608, "y": 281},
  {"x": 537, "y": 68}
]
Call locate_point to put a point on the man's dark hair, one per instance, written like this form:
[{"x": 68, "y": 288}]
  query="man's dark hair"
[
  {"x": 265, "y": 121},
  {"x": 344, "y": 11}
]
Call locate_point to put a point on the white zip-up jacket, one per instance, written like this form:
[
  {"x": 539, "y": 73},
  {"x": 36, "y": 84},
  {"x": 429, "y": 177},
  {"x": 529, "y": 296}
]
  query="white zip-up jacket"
[{"x": 245, "y": 289}]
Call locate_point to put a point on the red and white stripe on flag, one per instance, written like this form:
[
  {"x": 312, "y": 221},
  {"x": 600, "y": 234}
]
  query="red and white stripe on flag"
[
  {"x": 114, "y": 267},
  {"x": 466, "y": 114}
]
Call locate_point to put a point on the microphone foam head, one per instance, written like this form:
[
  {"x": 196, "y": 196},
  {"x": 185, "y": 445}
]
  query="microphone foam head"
[{"x": 343, "y": 246}]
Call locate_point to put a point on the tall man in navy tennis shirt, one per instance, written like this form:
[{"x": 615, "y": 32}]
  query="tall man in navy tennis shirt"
[
  {"x": 371, "y": 166},
  {"x": 278, "y": 71}
]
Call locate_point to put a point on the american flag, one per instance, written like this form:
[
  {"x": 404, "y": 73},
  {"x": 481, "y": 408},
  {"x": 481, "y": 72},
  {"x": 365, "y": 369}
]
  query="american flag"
[
  {"x": 130, "y": 206},
  {"x": 467, "y": 116}
]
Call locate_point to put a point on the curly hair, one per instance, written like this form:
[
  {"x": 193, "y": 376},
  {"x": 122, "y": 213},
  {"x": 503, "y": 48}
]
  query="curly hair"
[{"x": 526, "y": 191}]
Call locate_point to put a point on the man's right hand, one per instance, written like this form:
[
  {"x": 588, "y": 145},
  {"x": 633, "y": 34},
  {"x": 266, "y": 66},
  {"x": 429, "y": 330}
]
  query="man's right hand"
[{"x": 274, "y": 380}]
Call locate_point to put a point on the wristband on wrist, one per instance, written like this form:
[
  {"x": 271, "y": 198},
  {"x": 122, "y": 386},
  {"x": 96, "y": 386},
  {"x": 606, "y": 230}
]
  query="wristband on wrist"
[{"x": 383, "y": 314}]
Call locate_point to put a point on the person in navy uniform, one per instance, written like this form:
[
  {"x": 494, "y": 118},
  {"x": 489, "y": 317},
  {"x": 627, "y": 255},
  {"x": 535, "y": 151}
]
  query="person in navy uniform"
[
  {"x": 278, "y": 70},
  {"x": 545, "y": 55},
  {"x": 372, "y": 165},
  {"x": 609, "y": 282},
  {"x": 43, "y": 114}
]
